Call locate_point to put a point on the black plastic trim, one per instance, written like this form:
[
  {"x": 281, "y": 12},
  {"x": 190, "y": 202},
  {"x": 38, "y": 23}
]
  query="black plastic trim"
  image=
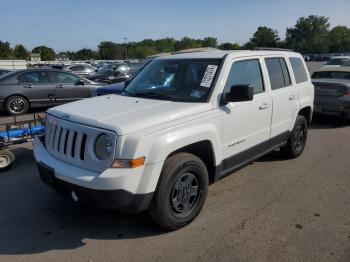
[
  {"x": 119, "y": 199},
  {"x": 249, "y": 155}
]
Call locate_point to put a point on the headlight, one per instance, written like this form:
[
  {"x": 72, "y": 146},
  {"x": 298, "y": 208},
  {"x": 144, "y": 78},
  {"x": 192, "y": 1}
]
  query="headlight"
[{"x": 103, "y": 146}]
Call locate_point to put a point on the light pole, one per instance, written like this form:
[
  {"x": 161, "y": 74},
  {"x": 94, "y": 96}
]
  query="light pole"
[{"x": 126, "y": 47}]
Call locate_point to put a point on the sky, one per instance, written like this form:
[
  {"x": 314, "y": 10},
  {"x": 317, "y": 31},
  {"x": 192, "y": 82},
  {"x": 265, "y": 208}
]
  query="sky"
[{"x": 76, "y": 24}]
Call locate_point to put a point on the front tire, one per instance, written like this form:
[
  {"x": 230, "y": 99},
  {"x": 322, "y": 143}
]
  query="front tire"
[
  {"x": 7, "y": 159},
  {"x": 297, "y": 140},
  {"x": 17, "y": 105},
  {"x": 181, "y": 191}
]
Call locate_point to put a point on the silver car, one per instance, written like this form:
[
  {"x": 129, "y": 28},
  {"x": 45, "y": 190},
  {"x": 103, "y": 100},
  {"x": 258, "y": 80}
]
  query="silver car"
[{"x": 80, "y": 69}]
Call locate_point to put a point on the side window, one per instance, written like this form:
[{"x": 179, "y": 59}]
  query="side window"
[
  {"x": 246, "y": 73},
  {"x": 298, "y": 69},
  {"x": 76, "y": 68},
  {"x": 34, "y": 77},
  {"x": 278, "y": 72},
  {"x": 118, "y": 73},
  {"x": 89, "y": 68},
  {"x": 60, "y": 77}
]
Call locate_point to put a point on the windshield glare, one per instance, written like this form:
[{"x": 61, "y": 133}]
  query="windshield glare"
[{"x": 183, "y": 80}]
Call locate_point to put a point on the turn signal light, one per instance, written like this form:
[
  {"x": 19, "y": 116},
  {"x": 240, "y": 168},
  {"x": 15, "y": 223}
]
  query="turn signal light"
[{"x": 129, "y": 163}]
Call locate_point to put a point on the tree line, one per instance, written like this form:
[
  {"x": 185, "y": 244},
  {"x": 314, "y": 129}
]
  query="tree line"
[{"x": 312, "y": 34}]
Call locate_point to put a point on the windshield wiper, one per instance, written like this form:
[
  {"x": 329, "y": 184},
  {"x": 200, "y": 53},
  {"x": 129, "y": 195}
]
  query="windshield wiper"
[{"x": 152, "y": 95}]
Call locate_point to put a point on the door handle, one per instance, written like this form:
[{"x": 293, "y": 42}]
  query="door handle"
[
  {"x": 292, "y": 97},
  {"x": 28, "y": 86},
  {"x": 264, "y": 106},
  {"x": 59, "y": 86}
]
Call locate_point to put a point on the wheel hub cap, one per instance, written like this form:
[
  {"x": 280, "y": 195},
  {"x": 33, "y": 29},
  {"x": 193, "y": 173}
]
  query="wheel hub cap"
[
  {"x": 299, "y": 139},
  {"x": 185, "y": 194},
  {"x": 17, "y": 105},
  {"x": 4, "y": 161}
]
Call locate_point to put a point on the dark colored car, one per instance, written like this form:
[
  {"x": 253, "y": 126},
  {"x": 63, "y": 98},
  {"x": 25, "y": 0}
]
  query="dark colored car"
[
  {"x": 80, "y": 69},
  {"x": 115, "y": 73},
  {"x": 116, "y": 88},
  {"x": 31, "y": 88},
  {"x": 332, "y": 97},
  {"x": 332, "y": 73},
  {"x": 4, "y": 71}
]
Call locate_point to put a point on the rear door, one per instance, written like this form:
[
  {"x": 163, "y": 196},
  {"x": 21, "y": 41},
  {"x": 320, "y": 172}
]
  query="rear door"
[
  {"x": 68, "y": 87},
  {"x": 37, "y": 87},
  {"x": 284, "y": 98}
]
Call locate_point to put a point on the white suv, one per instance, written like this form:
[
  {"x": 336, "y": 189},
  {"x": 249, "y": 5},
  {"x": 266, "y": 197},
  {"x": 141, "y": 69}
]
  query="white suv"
[{"x": 183, "y": 122}]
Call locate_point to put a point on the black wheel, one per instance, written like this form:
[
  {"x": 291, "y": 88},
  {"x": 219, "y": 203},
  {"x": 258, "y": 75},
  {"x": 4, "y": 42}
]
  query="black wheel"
[
  {"x": 297, "y": 140},
  {"x": 7, "y": 159},
  {"x": 16, "y": 105},
  {"x": 181, "y": 191},
  {"x": 106, "y": 82}
]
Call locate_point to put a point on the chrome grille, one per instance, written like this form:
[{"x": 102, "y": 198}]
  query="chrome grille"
[{"x": 73, "y": 143}]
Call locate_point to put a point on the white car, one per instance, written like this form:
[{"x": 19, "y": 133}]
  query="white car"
[{"x": 182, "y": 123}]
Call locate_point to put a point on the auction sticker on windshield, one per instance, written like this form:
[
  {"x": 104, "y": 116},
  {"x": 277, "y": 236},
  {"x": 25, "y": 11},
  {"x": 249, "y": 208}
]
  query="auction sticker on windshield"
[{"x": 209, "y": 75}]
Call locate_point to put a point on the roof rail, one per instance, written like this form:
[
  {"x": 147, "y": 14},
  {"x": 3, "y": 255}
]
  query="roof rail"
[
  {"x": 271, "y": 49},
  {"x": 194, "y": 50}
]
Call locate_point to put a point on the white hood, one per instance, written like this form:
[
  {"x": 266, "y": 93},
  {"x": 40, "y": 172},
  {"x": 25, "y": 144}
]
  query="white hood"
[{"x": 126, "y": 114}]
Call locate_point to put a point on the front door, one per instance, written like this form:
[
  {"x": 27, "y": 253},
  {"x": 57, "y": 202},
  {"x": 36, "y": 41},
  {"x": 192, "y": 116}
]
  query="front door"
[
  {"x": 246, "y": 125},
  {"x": 68, "y": 87}
]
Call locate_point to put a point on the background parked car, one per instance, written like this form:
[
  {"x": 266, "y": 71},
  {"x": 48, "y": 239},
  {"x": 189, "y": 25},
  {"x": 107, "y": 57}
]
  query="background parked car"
[
  {"x": 332, "y": 73},
  {"x": 80, "y": 70},
  {"x": 4, "y": 71},
  {"x": 116, "y": 88},
  {"x": 337, "y": 61},
  {"x": 332, "y": 97},
  {"x": 346, "y": 64},
  {"x": 115, "y": 73},
  {"x": 31, "y": 88}
]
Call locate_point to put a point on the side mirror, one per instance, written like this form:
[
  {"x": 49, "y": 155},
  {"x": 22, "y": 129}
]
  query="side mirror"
[
  {"x": 239, "y": 93},
  {"x": 80, "y": 82}
]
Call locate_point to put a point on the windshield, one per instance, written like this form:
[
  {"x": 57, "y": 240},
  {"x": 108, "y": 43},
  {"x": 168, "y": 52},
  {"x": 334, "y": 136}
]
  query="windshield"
[{"x": 183, "y": 80}]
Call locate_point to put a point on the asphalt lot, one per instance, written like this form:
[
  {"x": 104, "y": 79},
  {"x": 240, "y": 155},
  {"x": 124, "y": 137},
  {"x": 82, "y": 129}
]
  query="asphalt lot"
[{"x": 271, "y": 210}]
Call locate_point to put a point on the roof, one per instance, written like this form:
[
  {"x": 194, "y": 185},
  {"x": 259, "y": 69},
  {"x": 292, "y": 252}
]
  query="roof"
[
  {"x": 218, "y": 54},
  {"x": 334, "y": 69}
]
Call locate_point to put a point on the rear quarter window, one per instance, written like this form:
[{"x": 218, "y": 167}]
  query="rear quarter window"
[{"x": 298, "y": 69}]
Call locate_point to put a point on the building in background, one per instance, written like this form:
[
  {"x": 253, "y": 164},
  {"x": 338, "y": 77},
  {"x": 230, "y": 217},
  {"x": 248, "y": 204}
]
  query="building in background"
[{"x": 35, "y": 57}]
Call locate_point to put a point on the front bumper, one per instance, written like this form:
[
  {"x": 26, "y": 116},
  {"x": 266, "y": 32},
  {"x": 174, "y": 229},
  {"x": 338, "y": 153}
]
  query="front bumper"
[{"x": 123, "y": 189}]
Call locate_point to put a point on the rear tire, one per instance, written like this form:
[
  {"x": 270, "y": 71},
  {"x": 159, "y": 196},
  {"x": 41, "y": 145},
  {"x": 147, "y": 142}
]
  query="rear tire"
[
  {"x": 297, "y": 139},
  {"x": 17, "y": 105},
  {"x": 7, "y": 158},
  {"x": 181, "y": 191}
]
